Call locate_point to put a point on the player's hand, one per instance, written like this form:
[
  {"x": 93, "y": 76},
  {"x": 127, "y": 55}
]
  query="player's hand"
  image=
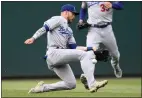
[
  {"x": 81, "y": 48},
  {"x": 80, "y": 21},
  {"x": 108, "y": 5},
  {"x": 94, "y": 49},
  {"x": 29, "y": 41},
  {"x": 82, "y": 25}
]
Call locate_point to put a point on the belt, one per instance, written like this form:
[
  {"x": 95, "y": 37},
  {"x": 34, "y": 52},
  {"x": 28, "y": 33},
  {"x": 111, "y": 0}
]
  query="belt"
[
  {"x": 101, "y": 26},
  {"x": 56, "y": 47},
  {"x": 59, "y": 47}
]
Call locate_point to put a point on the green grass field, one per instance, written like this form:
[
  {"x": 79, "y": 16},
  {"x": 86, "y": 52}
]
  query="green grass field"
[{"x": 125, "y": 87}]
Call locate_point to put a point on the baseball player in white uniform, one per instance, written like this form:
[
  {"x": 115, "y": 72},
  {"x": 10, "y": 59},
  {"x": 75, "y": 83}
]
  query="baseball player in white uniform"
[
  {"x": 100, "y": 18},
  {"x": 62, "y": 49}
]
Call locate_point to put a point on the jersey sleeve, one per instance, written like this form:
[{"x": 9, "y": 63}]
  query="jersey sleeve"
[
  {"x": 72, "y": 43},
  {"x": 118, "y": 5},
  {"x": 71, "y": 40},
  {"x": 83, "y": 11},
  {"x": 52, "y": 23}
]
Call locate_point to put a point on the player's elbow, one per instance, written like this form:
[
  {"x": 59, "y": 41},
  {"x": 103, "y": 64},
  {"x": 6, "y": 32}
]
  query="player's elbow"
[{"x": 118, "y": 5}]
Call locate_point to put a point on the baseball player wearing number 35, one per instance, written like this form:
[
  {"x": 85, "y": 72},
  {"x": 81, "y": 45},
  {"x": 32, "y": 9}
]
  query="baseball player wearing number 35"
[
  {"x": 62, "y": 49},
  {"x": 100, "y": 30}
]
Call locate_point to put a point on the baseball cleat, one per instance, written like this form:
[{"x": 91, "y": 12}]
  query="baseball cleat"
[
  {"x": 37, "y": 88},
  {"x": 98, "y": 85},
  {"x": 84, "y": 81}
]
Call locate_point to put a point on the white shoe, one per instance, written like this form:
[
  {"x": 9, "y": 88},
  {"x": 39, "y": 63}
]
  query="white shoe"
[
  {"x": 84, "y": 81},
  {"x": 117, "y": 71},
  {"x": 38, "y": 88},
  {"x": 98, "y": 85}
]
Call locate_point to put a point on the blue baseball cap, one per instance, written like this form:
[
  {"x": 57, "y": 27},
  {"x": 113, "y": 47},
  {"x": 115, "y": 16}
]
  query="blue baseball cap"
[{"x": 69, "y": 7}]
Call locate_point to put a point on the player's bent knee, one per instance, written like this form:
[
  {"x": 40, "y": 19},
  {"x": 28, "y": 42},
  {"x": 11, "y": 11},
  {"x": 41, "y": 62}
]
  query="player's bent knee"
[
  {"x": 71, "y": 85},
  {"x": 115, "y": 54},
  {"x": 88, "y": 55},
  {"x": 83, "y": 55}
]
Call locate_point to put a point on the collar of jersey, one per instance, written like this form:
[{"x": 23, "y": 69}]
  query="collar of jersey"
[{"x": 65, "y": 19}]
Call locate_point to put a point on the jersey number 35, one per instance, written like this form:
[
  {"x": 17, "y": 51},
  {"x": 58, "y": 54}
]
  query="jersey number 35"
[{"x": 103, "y": 9}]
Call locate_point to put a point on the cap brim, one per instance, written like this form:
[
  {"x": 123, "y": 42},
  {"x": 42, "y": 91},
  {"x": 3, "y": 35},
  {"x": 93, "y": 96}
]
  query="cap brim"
[{"x": 76, "y": 13}]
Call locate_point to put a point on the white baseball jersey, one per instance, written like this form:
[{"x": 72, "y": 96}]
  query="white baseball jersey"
[
  {"x": 60, "y": 33},
  {"x": 97, "y": 12}
]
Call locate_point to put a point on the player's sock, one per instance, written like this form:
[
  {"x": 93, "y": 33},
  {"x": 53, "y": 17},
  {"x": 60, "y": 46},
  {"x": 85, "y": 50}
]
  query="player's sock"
[{"x": 116, "y": 67}]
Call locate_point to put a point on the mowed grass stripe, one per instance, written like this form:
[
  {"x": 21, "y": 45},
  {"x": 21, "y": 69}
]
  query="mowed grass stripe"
[{"x": 115, "y": 88}]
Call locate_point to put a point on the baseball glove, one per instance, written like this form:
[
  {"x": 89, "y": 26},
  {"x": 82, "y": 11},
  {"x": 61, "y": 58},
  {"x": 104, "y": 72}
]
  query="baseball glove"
[
  {"x": 102, "y": 55},
  {"x": 82, "y": 25}
]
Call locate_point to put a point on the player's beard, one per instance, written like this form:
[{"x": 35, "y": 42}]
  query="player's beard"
[{"x": 69, "y": 21}]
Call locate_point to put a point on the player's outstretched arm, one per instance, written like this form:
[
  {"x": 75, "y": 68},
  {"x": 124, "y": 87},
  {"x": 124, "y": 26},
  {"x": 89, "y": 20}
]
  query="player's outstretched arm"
[
  {"x": 38, "y": 33},
  {"x": 72, "y": 45},
  {"x": 101, "y": 54}
]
